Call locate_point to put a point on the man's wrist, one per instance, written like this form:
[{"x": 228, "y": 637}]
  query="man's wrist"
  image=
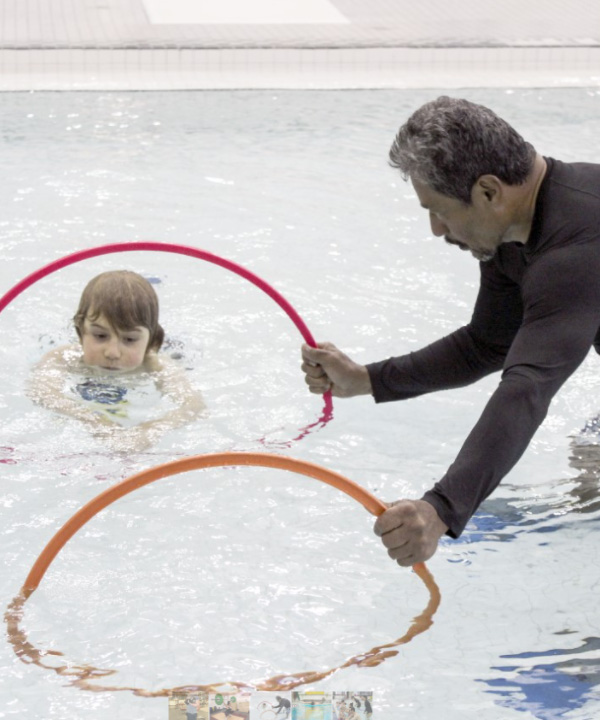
[{"x": 365, "y": 386}]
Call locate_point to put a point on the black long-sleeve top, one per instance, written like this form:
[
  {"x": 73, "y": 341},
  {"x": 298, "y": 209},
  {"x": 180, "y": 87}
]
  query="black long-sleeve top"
[{"x": 536, "y": 316}]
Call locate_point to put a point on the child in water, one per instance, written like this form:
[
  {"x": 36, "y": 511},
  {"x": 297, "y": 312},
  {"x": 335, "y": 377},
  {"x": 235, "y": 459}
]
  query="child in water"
[{"x": 119, "y": 338}]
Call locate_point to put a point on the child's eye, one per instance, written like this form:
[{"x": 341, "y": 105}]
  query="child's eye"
[
  {"x": 131, "y": 340},
  {"x": 100, "y": 336}
]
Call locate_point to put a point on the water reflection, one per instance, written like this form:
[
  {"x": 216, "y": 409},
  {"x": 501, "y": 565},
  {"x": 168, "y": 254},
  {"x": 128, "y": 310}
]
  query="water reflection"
[
  {"x": 548, "y": 684},
  {"x": 502, "y": 519},
  {"x": 550, "y": 689},
  {"x": 84, "y": 676}
]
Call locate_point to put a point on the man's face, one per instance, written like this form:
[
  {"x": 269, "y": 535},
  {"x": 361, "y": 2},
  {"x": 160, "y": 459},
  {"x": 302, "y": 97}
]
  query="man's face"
[{"x": 472, "y": 227}]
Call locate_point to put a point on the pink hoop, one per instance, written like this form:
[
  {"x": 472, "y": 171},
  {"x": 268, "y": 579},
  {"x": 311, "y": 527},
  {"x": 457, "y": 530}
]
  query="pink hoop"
[{"x": 79, "y": 255}]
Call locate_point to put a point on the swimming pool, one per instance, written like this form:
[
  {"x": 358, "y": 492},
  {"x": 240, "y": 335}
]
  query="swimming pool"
[{"x": 232, "y": 574}]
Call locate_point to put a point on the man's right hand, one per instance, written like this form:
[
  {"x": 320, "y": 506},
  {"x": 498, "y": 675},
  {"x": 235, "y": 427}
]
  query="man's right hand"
[
  {"x": 410, "y": 530},
  {"x": 327, "y": 368}
]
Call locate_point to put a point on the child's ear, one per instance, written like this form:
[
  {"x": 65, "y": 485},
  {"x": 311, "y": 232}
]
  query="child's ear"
[
  {"x": 159, "y": 337},
  {"x": 154, "y": 344}
]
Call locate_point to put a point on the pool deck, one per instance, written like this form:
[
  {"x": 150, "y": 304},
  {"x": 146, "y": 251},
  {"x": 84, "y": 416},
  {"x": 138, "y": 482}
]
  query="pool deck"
[{"x": 211, "y": 44}]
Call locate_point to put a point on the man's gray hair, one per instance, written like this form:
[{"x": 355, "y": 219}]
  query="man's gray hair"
[{"x": 449, "y": 143}]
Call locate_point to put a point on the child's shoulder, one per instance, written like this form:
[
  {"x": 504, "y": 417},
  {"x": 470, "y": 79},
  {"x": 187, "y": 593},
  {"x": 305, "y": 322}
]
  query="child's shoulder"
[
  {"x": 154, "y": 363},
  {"x": 66, "y": 356},
  {"x": 162, "y": 363}
]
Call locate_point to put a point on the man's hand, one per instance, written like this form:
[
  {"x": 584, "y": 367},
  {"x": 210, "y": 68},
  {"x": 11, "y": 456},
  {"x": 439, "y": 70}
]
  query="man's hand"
[
  {"x": 327, "y": 368},
  {"x": 410, "y": 530}
]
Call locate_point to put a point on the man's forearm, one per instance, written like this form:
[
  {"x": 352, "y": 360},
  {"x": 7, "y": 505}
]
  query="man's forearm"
[{"x": 454, "y": 361}]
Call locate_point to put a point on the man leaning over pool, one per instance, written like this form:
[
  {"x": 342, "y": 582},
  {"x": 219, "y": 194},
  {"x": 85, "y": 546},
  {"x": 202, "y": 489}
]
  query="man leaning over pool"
[{"x": 533, "y": 223}]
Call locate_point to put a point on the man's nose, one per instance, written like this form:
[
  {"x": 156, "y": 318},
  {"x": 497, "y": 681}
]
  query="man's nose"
[{"x": 438, "y": 228}]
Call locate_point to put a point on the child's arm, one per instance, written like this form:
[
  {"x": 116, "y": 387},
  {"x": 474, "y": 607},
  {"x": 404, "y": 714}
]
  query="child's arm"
[
  {"x": 46, "y": 387},
  {"x": 173, "y": 383}
]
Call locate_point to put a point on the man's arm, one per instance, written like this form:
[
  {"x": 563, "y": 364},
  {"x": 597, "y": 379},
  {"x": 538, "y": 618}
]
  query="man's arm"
[
  {"x": 465, "y": 356},
  {"x": 540, "y": 348},
  {"x": 561, "y": 318},
  {"x": 461, "y": 358},
  {"x": 411, "y": 529}
]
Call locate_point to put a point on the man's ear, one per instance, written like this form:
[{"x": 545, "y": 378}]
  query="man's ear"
[{"x": 487, "y": 188}]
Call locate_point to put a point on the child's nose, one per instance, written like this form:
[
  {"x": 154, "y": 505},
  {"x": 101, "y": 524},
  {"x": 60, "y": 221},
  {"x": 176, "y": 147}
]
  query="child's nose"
[{"x": 112, "y": 349}]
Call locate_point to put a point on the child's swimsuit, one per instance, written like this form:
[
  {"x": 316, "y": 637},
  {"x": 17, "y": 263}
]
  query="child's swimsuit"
[{"x": 106, "y": 399}]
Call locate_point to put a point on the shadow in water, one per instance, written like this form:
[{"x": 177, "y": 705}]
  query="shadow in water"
[
  {"x": 503, "y": 519},
  {"x": 549, "y": 684},
  {"x": 550, "y": 689}
]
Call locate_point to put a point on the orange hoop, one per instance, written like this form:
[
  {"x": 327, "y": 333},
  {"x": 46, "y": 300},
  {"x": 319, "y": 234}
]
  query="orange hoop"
[
  {"x": 81, "y": 676},
  {"x": 193, "y": 462}
]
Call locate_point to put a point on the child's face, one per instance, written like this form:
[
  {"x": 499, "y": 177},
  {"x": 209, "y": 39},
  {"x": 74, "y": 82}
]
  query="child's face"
[{"x": 110, "y": 349}]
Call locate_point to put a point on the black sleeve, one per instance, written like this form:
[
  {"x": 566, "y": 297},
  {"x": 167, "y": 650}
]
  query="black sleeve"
[
  {"x": 465, "y": 356},
  {"x": 561, "y": 296}
]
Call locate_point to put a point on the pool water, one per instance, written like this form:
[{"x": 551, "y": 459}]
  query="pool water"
[{"x": 238, "y": 574}]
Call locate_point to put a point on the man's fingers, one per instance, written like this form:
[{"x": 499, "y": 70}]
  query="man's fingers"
[
  {"x": 399, "y": 549},
  {"x": 317, "y": 380},
  {"x": 410, "y": 531},
  {"x": 398, "y": 513},
  {"x": 317, "y": 355},
  {"x": 314, "y": 374},
  {"x": 312, "y": 370},
  {"x": 394, "y": 538},
  {"x": 319, "y": 389}
]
